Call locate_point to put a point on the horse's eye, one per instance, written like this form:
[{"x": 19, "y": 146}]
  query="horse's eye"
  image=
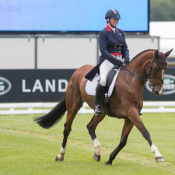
[{"x": 155, "y": 69}]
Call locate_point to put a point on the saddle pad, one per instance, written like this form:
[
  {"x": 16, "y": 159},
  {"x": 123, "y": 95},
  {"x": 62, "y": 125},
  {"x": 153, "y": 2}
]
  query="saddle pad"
[{"x": 91, "y": 85}]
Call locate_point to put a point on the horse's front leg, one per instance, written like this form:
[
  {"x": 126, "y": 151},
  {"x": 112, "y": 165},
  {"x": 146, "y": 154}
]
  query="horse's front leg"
[
  {"x": 125, "y": 132},
  {"x": 137, "y": 121},
  {"x": 91, "y": 128}
]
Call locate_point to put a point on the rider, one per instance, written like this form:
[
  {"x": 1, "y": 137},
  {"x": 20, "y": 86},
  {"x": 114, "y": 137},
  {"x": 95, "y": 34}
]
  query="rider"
[{"x": 114, "y": 51}]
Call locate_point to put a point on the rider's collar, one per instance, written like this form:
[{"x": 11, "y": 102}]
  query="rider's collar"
[{"x": 109, "y": 28}]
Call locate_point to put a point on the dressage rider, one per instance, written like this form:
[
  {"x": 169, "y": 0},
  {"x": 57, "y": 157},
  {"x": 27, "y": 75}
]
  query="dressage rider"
[{"x": 114, "y": 51}]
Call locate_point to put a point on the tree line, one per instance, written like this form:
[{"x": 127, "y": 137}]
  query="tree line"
[{"x": 162, "y": 10}]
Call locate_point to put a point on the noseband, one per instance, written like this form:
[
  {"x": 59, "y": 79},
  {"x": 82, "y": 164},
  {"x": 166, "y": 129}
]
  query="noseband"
[{"x": 150, "y": 70}]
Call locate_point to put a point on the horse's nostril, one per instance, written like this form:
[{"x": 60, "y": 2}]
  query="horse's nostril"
[{"x": 156, "y": 92}]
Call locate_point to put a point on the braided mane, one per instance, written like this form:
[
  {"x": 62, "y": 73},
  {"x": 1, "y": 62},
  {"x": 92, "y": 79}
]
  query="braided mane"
[{"x": 141, "y": 53}]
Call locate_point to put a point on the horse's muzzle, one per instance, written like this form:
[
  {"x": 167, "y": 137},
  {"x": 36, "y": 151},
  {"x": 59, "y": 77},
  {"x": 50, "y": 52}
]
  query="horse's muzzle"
[{"x": 158, "y": 92}]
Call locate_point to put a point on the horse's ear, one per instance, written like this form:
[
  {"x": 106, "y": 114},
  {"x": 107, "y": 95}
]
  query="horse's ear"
[
  {"x": 167, "y": 53},
  {"x": 156, "y": 53}
]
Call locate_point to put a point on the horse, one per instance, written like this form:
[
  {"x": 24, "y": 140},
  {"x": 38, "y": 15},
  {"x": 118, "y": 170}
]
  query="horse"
[{"x": 126, "y": 101}]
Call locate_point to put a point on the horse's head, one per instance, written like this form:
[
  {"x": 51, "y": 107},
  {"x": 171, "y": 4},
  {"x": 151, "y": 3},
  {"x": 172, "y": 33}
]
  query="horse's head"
[{"x": 157, "y": 69}]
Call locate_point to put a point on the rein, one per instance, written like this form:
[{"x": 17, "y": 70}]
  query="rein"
[
  {"x": 150, "y": 70},
  {"x": 134, "y": 74}
]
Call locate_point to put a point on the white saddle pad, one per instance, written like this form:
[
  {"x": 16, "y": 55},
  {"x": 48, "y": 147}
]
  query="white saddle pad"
[{"x": 91, "y": 85}]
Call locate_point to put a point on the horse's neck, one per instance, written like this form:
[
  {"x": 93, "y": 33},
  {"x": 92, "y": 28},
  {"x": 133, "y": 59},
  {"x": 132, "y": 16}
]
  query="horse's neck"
[{"x": 140, "y": 63}]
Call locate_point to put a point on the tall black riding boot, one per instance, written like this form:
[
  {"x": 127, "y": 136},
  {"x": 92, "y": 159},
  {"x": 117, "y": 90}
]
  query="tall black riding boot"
[{"x": 98, "y": 97}]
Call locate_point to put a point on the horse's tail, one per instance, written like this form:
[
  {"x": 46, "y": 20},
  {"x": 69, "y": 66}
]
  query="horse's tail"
[{"x": 54, "y": 116}]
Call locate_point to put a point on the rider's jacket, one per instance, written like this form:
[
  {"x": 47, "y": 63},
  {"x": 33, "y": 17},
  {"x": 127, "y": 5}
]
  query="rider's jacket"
[
  {"x": 111, "y": 43},
  {"x": 112, "y": 47}
]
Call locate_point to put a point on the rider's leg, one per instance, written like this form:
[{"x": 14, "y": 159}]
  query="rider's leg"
[{"x": 105, "y": 67}]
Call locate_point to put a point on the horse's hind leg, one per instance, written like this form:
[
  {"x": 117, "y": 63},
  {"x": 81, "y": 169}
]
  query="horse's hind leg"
[
  {"x": 73, "y": 103},
  {"x": 91, "y": 128},
  {"x": 125, "y": 132}
]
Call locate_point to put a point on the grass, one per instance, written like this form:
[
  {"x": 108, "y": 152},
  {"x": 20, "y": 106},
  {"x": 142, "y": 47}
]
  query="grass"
[{"x": 26, "y": 148}]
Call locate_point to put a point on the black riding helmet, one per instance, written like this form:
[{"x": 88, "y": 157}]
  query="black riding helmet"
[{"x": 112, "y": 13}]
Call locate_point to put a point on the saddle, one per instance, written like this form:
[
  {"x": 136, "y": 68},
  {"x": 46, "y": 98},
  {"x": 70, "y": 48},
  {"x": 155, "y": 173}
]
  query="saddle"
[{"x": 110, "y": 82}]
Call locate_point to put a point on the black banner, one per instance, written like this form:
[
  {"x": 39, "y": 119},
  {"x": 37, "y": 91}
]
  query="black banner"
[
  {"x": 169, "y": 88},
  {"x": 33, "y": 85},
  {"x": 50, "y": 85}
]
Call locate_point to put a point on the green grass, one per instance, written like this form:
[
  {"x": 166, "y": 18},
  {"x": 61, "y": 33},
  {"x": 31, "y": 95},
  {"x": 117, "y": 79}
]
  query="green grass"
[{"x": 26, "y": 148}]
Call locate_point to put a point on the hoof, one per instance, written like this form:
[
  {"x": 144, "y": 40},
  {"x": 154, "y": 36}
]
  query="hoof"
[
  {"x": 58, "y": 158},
  {"x": 159, "y": 159},
  {"x": 96, "y": 157},
  {"x": 108, "y": 163}
]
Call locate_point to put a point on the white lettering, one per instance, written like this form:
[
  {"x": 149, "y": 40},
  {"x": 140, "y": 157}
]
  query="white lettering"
[
  {"x": 60, "y": 83},
  {"x": 37, "y": 86},
  {"x": 24, "y": 87},
  {"x": 169, "y": 86},
  {"x": 166, "y": 81},
  {"x": 50, "y": 85},
  {"x": 2, "y": 88}
]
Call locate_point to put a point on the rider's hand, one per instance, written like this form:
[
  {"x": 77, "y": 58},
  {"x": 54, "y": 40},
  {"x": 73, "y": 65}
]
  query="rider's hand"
[
  {"x": 126, "y": 61},
  {"x": 118, "y": 64}
]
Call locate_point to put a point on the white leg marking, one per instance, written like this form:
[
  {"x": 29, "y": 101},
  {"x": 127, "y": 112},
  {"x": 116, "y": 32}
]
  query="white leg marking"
[
  {"x": 155, "y": 150},
  {"x": 61, "y": 155},
  {"x": 97, "y": 146}
]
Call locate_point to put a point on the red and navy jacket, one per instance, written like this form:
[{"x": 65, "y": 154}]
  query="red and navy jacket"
[{"x": 110, "y": 43}]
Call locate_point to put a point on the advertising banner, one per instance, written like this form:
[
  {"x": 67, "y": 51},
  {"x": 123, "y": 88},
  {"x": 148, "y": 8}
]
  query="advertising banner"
[
  {"x": 50, "y": 86},
  {"x": 169, "y": 88},
  {"x": 33, "y": 85}
]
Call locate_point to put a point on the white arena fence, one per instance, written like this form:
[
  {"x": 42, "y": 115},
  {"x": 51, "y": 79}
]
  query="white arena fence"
[{"x": 42, "y": 108}]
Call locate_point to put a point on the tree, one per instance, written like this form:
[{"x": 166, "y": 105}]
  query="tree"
[{"x": 162, "y": 10}]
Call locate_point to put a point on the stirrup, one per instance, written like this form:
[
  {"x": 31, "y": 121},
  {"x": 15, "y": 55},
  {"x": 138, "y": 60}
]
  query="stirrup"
[{"x": 100, "y": 111}]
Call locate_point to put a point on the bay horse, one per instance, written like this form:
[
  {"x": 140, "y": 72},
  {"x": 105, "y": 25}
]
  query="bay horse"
[{"x": 126, "y": 101}]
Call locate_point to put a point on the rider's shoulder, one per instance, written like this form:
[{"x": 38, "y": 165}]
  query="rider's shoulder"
[{"x": 103, "y": 32}]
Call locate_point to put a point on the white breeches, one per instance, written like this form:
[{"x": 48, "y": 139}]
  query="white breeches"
[{"x": 105, "y": 67}]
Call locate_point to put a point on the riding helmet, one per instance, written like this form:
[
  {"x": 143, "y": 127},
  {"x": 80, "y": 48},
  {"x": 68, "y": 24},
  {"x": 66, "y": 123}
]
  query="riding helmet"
[{"x": 112, "y": 13}]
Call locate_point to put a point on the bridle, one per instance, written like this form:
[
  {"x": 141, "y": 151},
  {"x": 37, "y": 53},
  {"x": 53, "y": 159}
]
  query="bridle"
[
  {"x": 150, "y": 70},
  {"x": 150, "y": 67}
]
